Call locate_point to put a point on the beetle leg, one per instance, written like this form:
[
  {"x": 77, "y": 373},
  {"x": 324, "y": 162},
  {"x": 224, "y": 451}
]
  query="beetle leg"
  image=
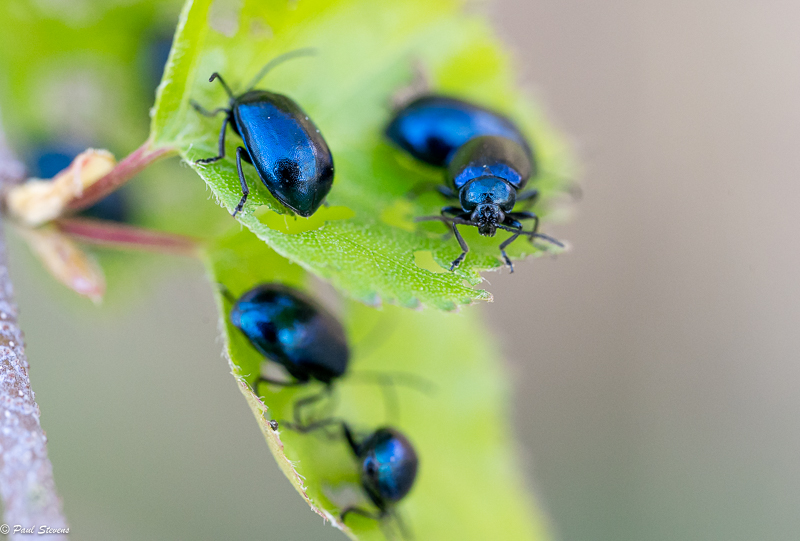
[
  {"x": 505, "y": 244},
  {"x": 512, "y": 218},
  {"x": 302, "y": 403},
  {"x": 242, "y": 180},
  {"x": 347, "y": 432},
  {"x": 352, "y": 510},
  {"x": 205, "y": 112},
  {"x": 464, "y": 248},
  {"x": 446, "y": 191},
  {"x": 522, "y": 215},
  {"x": 379, "y": 516},
  {"x": 262, "y": 379},
  {"x": 311, "y": 427},
  {"x": 351, "y": 439},
  {"x": 454, "y": 211},
  {"x": 511, "y": 225},
  {"x": 529, "y": 197},
  {"x": 221, "y": 145}
]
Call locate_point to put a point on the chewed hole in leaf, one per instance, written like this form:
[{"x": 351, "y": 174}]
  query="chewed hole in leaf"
[
  {"x": 291, "y": 224},
  {"x": 424, "y": 260},
  {"x": 400, "y": 215}
]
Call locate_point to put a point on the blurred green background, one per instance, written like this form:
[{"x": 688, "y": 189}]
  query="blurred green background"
[{"x": 658, "y": 383}]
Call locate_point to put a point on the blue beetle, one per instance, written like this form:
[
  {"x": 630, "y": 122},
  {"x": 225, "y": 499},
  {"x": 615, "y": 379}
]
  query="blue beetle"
[
  {"x": 289, "y": 328},
  {"x": 288, "y": 151},
  {"x": 388, "y": 467},
  {"x": 432, "y": 128},
  {"x": 387, "y": 462},
  {"x": 488, "y": 163}
]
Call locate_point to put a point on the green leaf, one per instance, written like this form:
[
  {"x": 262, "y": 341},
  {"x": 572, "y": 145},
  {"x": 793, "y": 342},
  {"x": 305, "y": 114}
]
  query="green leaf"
[
  {"x": 469, "y": 484},
  {"x": 366, "y": 243}
]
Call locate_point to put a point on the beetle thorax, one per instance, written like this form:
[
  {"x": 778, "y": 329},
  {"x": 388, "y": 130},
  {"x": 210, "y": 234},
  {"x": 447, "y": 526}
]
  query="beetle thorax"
[{"x": 487, "y": 199}]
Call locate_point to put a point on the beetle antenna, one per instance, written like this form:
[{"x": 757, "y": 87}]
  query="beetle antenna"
[
  {"x": 388, "y": 382},
  {"x": 390, "y": 377},
  {"x": 216, "y": 75},
  {"x": 548, "y": 238},
  {"x": 278, "y": 60},
  {"x": 533, "y": 235}
]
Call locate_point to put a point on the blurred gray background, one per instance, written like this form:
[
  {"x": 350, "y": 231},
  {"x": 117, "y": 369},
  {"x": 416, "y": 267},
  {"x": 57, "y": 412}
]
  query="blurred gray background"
[{"x": 658, "y": 364}]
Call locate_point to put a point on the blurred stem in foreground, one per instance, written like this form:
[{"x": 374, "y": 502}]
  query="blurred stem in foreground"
[{"x": 26, "y": 474}]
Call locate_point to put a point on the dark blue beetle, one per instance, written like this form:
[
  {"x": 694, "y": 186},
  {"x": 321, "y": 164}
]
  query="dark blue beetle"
[
  {"x": 431, "y": 128},
  {"x": 289, "y": 153},
  {"x": 289, "y": 328},
  {"x": 488, "y": 161},
  {"x": 387, "y": 466}
]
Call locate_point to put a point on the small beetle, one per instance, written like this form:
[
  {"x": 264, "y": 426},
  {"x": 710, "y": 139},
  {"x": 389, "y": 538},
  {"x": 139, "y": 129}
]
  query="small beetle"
[
  {"x": 289, "y": 153},
  {"x": 431, "y": 128},
  {"x": 388, "y": 466},
  {"x": 487, "y": 158},
  {"x": 289, "y": 328}
]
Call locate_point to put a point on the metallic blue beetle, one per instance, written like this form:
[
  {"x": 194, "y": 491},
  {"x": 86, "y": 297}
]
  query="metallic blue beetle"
[
  {"x": 289, "y": 328},
  {"x": 292, "y": 330},
  {"x": 488, "y": 161},
  {"x": 388, "y": 468},
  {"x": 387, "y": 462},
  {"x": 431, "y": 128},
  {"x": 289, "y": 153}
]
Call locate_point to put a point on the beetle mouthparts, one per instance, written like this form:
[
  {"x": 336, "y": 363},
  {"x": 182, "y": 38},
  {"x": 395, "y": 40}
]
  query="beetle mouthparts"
[{"x": 487, "y": 217}]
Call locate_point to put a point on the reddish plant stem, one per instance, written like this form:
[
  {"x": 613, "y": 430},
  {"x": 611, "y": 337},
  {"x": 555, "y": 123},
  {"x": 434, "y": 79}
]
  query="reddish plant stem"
[
  {"x": 125, "y": 170},
  {"x": 106, "y": 233},
  {"x": 26, "y": 475}
]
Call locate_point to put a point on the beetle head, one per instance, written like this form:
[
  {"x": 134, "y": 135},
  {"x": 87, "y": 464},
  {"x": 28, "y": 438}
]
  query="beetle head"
[{"x": 487, "y": 217}]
